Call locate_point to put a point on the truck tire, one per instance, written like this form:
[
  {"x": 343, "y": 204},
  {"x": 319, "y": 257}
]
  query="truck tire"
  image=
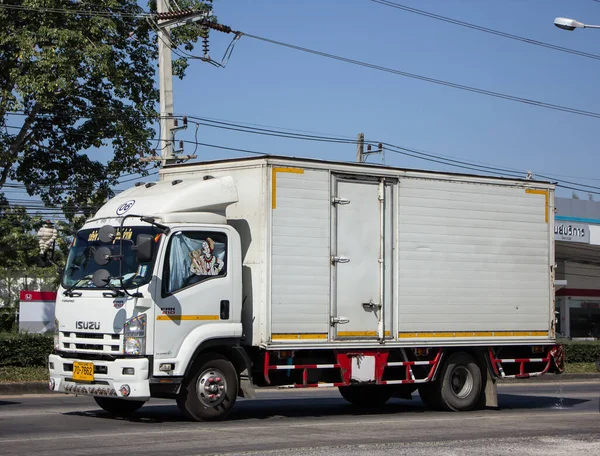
[
  {"x": 118, "y": 407},
  {"x": 210, "y": 390},
  {"x": 366, "y": 395},
  {"x": 459, "y": 384},
  {"x": 430, "y": 395}
]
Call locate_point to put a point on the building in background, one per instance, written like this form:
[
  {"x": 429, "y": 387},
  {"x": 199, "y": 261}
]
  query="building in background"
[{"x": 577, "y": 252}]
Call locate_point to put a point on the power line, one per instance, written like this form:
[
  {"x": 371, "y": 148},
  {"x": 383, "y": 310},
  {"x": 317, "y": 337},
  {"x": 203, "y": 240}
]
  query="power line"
[
  {"x": 441, "y": 82},
  {"x": 485, "y": 29},
  {"x": 410, "y": 152}
]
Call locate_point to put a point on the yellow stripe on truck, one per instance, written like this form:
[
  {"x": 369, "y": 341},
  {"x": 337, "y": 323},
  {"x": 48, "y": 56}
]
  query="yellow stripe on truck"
[
  {"x": 458, "y": 334},
  {"x": 360, "y": 333},
  {"x": 533, "y": 191},
  {"x": 291, "y": 336},
  {"x": 187, "y": 317},
  {"x": 274, "y": 181}
]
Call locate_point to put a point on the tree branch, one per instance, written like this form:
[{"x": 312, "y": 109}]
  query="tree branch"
[{"x": 21, "y": 138}]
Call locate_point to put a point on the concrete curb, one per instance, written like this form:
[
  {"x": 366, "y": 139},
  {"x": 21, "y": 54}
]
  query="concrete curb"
[
  {"x": 42, "y": 387},
  {"x": 24, "y": 388},
  {"x": 552, "y": 378}
]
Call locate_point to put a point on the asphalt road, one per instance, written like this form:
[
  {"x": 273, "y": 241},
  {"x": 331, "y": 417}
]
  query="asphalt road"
[{"x": 535, "y": 418}]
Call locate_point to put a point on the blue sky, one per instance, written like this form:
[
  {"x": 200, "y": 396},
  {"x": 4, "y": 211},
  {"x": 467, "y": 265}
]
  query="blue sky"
[{"x": 270, "y": 85}]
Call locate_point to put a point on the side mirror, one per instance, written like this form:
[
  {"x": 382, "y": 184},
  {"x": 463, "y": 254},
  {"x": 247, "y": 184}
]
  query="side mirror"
[
  {"x": 102, "y": 256},
  {"x": 101, "y": 278},
  {"x": 144, "y": 248},
  {"x": 107, "y": 233}
]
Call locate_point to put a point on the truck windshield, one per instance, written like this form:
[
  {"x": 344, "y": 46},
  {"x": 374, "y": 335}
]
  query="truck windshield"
[{"x": 81, "y": 266}]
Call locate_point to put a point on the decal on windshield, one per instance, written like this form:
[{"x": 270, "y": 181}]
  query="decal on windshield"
[
  {"x": 142, "y": 269},
  {"x": 127, "y": 235}
]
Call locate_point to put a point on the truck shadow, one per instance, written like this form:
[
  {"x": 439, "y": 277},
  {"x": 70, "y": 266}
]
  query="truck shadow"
[
  {"x": 9, "y": 403},
  {"x": 315, "y": 407}
]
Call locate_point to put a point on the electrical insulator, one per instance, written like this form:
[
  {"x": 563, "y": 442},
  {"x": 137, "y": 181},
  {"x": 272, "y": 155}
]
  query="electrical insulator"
[
  {"x": 205, "y": 44},
  {"x": 185, "y": 121},
  {"x": 181, "y": 145},
  {"x": 369, "y": 148}
]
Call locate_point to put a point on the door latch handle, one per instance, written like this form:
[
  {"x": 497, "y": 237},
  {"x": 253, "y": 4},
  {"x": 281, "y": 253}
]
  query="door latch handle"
[
  {"x": 339, "y": 320},
  {"x": 339, "y": 259},
  {"x": 340, "y": 201},
  {"x": 371, "y": 306}
]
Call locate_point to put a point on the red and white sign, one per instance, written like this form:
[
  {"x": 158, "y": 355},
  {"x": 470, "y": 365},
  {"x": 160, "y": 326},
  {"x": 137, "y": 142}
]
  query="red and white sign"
[
  {"x": 36, "y": 310},
  {"x": 37, "y": 295}
]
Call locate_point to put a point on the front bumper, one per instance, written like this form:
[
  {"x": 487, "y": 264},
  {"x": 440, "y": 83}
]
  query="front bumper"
[{"x": 109, "y": 379}]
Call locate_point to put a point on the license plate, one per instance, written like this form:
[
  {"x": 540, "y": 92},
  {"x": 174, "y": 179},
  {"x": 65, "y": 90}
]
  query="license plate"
[{"x": 83, "y": 371}]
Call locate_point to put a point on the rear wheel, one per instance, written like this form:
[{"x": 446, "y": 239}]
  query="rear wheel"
[
  {"x": 118, "y": 407},
  {"x": 210, "y": 391},
  {"x": 367, "y": 395},
  {"x": 458, "y": 386},
  {"x": 461, "y": 383}
]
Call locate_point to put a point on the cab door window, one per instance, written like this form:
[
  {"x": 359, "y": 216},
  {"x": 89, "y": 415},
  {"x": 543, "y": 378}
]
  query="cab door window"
[{"x": 194, "y": 257}]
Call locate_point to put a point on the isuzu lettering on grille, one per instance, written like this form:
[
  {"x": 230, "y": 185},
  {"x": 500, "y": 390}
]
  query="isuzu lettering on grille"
[{"x": 87, "y": 324}]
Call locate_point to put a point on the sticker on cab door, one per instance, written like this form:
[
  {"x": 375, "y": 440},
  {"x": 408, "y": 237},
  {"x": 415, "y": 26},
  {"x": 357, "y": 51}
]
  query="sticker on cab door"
[{"x": 119, "y": 302}]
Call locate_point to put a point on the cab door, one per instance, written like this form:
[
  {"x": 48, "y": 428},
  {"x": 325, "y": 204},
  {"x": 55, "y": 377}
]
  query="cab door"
[{"x": 195, "y": 287}]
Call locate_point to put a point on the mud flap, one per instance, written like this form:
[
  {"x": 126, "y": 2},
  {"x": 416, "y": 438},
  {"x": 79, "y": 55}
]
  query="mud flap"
[
  {"x": 489, "y": 395},
  {"x": 246, "y": 386}
]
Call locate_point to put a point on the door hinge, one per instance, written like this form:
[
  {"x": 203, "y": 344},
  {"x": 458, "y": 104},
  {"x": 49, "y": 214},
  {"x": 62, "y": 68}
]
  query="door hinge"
[
  {"x": 339, "y": 259},
  {"x": 341, "y": 201},
  {"x": 339, "y": 320}
]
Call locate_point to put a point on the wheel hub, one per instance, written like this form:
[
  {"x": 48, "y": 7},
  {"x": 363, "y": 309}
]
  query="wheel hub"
[
  {"x": 212, "y": 388},
  {"x": 461, "y": 381}
]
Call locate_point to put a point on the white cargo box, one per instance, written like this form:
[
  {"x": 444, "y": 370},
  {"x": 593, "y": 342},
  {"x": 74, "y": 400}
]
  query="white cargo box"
[{"x": 340, "y": 254}]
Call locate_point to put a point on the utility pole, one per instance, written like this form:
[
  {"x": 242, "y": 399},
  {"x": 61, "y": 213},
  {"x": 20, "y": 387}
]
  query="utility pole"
[
  {"x": 165, "y": 68},
  {"x": 361, "y": 155},
  {"x": 360, "y": 147},
  {"x": 168, "y": 20}
]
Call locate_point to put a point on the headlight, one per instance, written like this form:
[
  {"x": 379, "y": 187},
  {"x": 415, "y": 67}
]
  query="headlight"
[
  {"x": 134, "y": 336},
  {"x": 56, "y": 334}
]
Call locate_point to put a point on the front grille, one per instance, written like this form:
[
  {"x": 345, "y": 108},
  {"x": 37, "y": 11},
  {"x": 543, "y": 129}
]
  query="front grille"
[
  {"x": 90, "y": 342},
  {"x": 89, "y": 335},
  {"x": 89, "y": 347}
]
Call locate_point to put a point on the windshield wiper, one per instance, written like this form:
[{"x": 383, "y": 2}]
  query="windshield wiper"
[{"x": 69, "y": 291}]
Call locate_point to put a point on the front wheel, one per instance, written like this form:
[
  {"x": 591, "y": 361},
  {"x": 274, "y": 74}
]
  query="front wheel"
[
  {"x": 210, "y": 391},
  {"x": 367, "y": 395},
  {"x": 118, "y": 407}
]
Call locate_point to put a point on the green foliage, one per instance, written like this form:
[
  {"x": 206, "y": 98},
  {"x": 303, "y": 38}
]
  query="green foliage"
[
  {"x": 8, "y": 318},
  {"x": 11, "y": 374},
  {"x": 75, "y": 85},
  {"x": 20, "y": 264},
  {"x": 582, "y": 352},
  {"x": 25, "y": 350},
  {"x": 18, "y": 243}
]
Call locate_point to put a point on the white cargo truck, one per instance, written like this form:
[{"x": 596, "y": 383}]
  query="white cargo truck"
[{"x": 230, "y": 275}]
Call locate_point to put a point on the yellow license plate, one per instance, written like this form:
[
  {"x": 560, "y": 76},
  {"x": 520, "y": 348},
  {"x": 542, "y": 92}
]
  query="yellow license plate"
[{"x": 83, "y": 371}]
